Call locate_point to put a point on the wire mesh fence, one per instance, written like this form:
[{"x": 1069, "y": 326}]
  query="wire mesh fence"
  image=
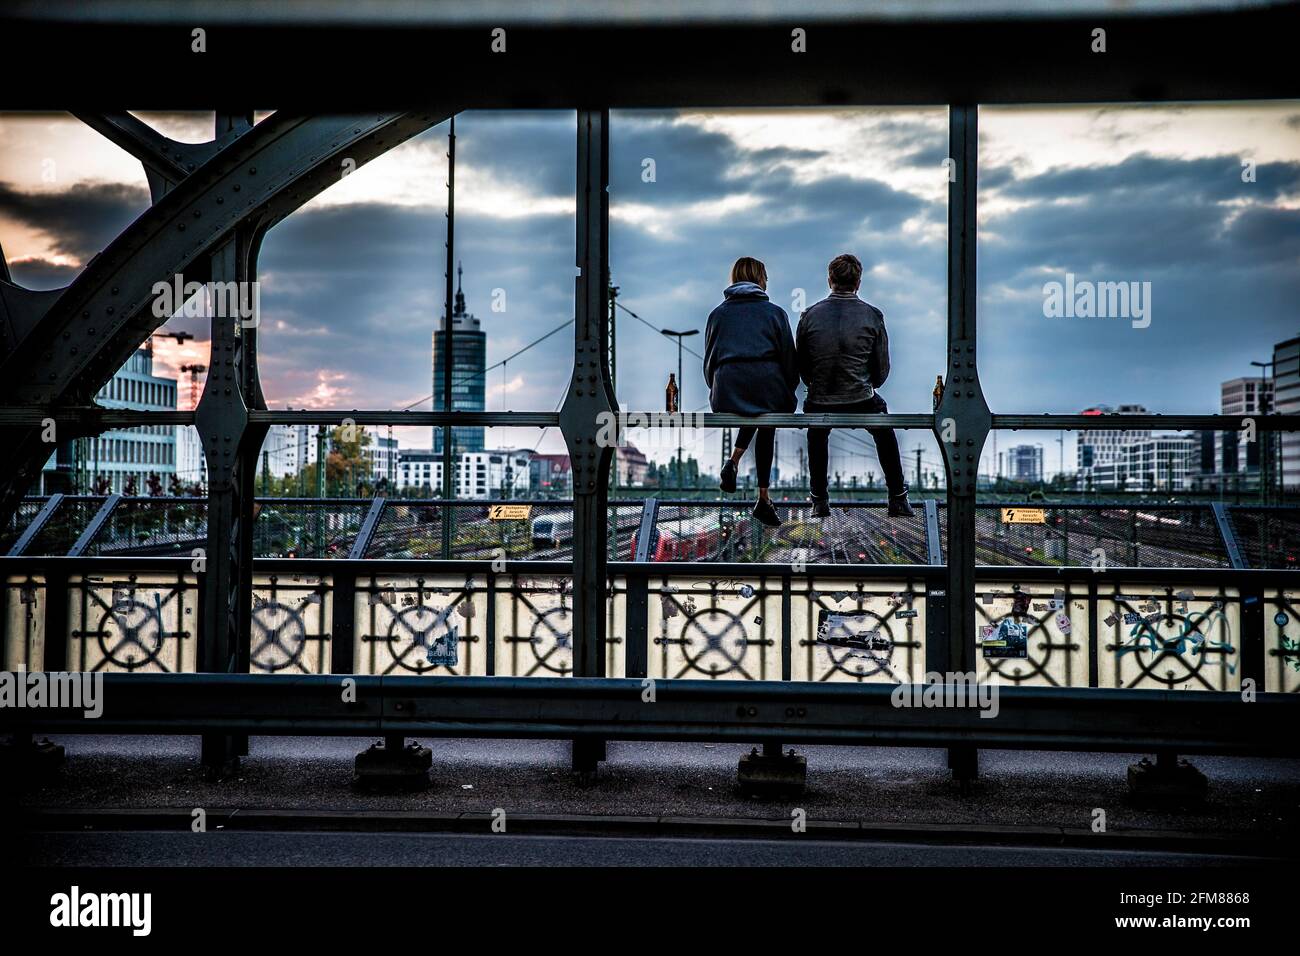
[
  {"x": 27, "y": 509},
  {"x": 856, "y": 532},
  {"x": 152, "y": 526},
  {"x": 1153, "y": 536},
  {"x": 65, "y": 526},
  {"x": 1267, "y": 537},
  {"x": 314, "y": 528}
]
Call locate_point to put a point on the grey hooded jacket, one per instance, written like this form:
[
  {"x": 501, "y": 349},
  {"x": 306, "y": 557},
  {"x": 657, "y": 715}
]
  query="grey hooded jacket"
[
  {"x": 749, "y": 361},
  {"x": 843, "y": 349}
]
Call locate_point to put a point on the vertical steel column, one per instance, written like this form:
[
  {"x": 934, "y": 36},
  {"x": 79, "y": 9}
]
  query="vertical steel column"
[
  {"x": 963, "y": 415},
  {"x": 231, "y": 446},
  {"x": 589, "y": 400}
]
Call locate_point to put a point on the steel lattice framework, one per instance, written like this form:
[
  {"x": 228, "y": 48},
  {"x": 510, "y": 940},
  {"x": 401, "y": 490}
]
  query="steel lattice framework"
[{"x": 213, "y": 203}]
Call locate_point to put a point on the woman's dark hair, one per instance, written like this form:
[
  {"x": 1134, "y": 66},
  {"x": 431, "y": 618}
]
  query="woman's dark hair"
[
  {"x": 747, "y": 269},
  {"x": 845, "y": 273}
]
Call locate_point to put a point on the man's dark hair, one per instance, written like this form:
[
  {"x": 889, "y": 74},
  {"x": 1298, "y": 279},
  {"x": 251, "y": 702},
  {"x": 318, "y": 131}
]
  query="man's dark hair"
[{"x": 845, "y": 273}]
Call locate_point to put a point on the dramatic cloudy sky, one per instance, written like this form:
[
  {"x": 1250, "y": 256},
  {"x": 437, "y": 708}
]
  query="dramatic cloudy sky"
[{"x": 353, "y": 283}]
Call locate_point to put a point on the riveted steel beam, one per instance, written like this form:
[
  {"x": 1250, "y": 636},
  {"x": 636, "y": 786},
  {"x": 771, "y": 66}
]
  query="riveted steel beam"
[
  {"x": 166, "y": 162},
  {"x": 590, "y": 395},
  {"x": 962, "y": 420}
]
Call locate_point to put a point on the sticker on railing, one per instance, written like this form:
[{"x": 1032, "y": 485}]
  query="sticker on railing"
[
  {"x": 1011, "y": 639},
  {"x": 509, "y": 512},
  {"x": 1024, "y": 516}
]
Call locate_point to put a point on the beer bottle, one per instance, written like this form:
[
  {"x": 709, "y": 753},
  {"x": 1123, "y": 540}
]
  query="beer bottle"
[
  {"x": 938, "y": 391},
  {"x": 670, "y": 393}
]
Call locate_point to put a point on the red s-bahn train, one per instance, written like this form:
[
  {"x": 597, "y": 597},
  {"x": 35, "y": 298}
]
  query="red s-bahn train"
[{"x": 691, "y": 540}]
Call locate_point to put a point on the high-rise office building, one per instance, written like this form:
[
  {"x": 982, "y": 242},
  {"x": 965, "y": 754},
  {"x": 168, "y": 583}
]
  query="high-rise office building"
[
  {"x": 123, "y": 458},
  {"x": 1025, "y": 463},
  {"x": 1100, "y": 452},
  {"x": 1241, "y": 396},
  {"x": 1286, "y": 395},
  {"x": 468, "y": 361}
]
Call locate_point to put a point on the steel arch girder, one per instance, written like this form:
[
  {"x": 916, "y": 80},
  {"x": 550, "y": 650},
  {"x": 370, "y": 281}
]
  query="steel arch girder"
[
  {"x": 99, "y": 320},
  {"x": 257, "y": 180}
]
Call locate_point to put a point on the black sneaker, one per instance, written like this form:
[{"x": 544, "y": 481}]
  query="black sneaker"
[
  {"x": 728, "y": 481},
  {"x": 765, "y": 513},
  {"x": 899, "y": 507},
  {"x": 821, "y": 507}
]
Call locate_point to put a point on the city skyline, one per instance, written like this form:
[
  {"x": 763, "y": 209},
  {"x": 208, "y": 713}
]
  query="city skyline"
[{"x": 1111, "y": 193}]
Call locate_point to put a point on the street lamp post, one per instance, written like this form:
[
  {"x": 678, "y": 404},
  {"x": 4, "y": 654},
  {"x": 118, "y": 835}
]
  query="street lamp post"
[{"x": 680, "y": 392}]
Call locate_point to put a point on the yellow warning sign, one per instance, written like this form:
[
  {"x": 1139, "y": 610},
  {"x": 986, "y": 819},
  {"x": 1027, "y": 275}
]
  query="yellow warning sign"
[
  {"x": 509, "y": 512},
  {"x": 1024, "y": 516}
]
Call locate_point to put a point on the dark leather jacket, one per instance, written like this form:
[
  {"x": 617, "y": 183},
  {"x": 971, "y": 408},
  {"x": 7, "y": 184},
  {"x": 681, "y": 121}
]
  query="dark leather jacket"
[{"x": 843, "y": 349}]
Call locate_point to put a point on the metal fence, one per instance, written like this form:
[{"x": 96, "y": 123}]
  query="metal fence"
[
  {"x": 1074, "y": 534},
  {"x": 1185, "y": 630}
]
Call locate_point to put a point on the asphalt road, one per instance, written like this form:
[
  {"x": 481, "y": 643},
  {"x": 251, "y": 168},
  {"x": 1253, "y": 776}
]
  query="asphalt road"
[
  {"x": 846, "y": 785},
  {"x": 211, "y": 849}
]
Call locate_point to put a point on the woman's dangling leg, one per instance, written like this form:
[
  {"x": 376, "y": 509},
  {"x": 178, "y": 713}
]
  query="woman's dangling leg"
[
  {"x": 743, "y": 437},
  {"x": 727, "y": 481},
  {"x": 763, "y": 452}
]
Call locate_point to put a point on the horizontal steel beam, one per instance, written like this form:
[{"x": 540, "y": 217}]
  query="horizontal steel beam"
[
  {"x": 91, "y": 417},
  {"x": 94, "y": 416},
  {"x": 1230, "y": 423},
  {"x": 610, "y": 708},
  {"x": 702, "y": 571},
  {"x": 917, "y": 57},
  {"x": 393, "y": 417}
]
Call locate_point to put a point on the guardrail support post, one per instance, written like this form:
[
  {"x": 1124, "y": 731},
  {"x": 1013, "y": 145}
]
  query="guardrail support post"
[
  {"x": 962, "y": 420},
  {"x": 1168, "y": 781},
  {"x": 589, "y": 403}
]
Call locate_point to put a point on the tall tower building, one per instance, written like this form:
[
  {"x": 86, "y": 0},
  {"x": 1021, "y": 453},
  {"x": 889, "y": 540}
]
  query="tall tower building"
[{"x": 468, "y": 379}]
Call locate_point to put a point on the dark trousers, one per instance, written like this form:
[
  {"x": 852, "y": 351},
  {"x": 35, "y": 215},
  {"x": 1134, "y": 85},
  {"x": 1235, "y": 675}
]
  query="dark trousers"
[
  {"x": 886, "y": 446},
  {"x": 762, "y": 450}
]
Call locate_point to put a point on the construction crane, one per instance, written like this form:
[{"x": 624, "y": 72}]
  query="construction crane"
[
  {"x": 195, "y": 371},
  {"x": 180, "y": 337}
]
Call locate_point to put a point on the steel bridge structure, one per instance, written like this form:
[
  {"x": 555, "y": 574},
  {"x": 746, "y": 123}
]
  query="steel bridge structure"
[{"x": 258, "y": 645}]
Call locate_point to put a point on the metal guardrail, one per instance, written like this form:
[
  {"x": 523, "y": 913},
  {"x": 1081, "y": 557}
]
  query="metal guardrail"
[{"x": 612, "y": 708}]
